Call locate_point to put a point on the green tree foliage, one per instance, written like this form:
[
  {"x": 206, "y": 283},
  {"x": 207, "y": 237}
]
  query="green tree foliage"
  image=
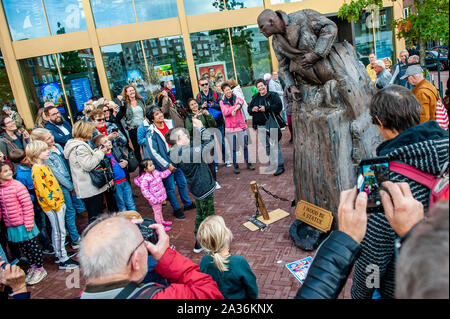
[{"x": 70, "y": 62}]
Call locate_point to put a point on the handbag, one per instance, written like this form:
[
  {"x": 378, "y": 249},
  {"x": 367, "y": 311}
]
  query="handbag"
[
  {"x": 102, "y": 174},
  {"x": 133, "y": 163}
]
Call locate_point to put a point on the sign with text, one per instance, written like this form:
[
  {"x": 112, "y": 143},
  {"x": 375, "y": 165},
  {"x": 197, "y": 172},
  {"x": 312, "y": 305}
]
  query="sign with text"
[{"x": 315, "y": 216}]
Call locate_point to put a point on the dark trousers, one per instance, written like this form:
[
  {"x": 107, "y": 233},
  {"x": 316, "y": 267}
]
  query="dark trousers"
[
  {"x": 32, "y": 251},
  {"x": 111, "y": 201},
  {"x": 94, "y": 206},
  {"x": 136, "y": 146}
]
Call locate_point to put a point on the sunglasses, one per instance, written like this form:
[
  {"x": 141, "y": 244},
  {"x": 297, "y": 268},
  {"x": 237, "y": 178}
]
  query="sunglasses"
[
  {"x": 204, "y": 84},
  {"x": 100, "y": 120}
]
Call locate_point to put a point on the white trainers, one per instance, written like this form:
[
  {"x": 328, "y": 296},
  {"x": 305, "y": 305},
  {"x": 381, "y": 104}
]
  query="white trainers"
[
  {"x": 218, "y": 186},
  {"x": 29, "y": 275},
  {"x": 37, "y": 277},
  {"x": 228, "y": 164}
]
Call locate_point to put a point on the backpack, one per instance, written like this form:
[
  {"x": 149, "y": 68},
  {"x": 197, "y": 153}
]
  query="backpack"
[
  {"x": 215, "y": 113},
  {"x": 441, "y": 113},
  {"x": 439, "y": 185}
]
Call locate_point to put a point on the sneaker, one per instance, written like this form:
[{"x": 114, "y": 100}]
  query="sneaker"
[
  {"x": 29, "y": 275},
  {"x": 197, "y": 248},
  {"x": 228, "y": 164},
  {"x": 48, "y": 251},
  {"x": 76, "y": 244},
  {"x": 167, "y": 223},
  {"x": 70, "y": 255},
  {"x": 179, "y": 214},
  {"x": 250, "y": 166},
  {"x": 280, "y": 170},
  {"x": 37, "y": 277},
  {"x": 164, "y": 203},
  {"x": 269, "y": 169},
  {"x": 192, "y": 206},
  {"x": 236, "y": 169},
  {"x": 69, "y": 264},
  {"x": 218, "y": 186},
  {"x": 166, "y": 228}
]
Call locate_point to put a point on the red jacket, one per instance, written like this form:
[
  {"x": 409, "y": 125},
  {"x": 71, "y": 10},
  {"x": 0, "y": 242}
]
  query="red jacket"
[
  {"x": 185, "y": 279},
  {"x": 16, "y": 207}
]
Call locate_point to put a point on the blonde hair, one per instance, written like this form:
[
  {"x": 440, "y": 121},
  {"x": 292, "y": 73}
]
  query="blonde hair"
[
  {"x": 233, "y": 82},
  {"x": 88, "y": 108},
  {"x": 34, "y": 149},
  {"x": 39, "y": 134},
  {"x": 213, "y": 235},
  {"x": 39, "y": 118},
  {"x": 83, "y": 129}
]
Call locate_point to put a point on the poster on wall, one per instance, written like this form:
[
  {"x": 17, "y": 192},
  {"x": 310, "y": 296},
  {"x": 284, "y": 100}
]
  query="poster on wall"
[
  {"x": 51, "y": 93},
  {"x": 215, "y": 71},
  {"x": 135, "y": 78},
  {"x": 82, "y": 92}
]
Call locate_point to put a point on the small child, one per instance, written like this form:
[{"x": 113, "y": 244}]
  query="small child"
[
  {"x": 16, "y": 209},
  {"x": 119, "y": 163},
  {"x": 232, "y": 273},
  {"x": 199, "y": 178},
  {"x": 51, "y": 200},
  {"x": 153, "y": 190}
]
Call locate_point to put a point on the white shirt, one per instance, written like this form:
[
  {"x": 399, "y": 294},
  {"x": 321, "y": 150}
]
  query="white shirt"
[{"x": 63, "y": 129}]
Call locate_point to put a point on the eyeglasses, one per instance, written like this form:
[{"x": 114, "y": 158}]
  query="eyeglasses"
[
  {"x": 53, "y": 114},
  {"x": 100, "y": 120},
  {"x": 129, "y": 259},
  {"x": 204, "y": 84}
]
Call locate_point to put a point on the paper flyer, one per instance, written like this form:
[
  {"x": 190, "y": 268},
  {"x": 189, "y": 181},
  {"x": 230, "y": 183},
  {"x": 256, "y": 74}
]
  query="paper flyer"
[{"x": 300, "y": 268}]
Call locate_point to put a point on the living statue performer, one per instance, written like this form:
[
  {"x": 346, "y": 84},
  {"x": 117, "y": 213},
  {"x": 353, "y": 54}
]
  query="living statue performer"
[{"x": 331, "y": 91}]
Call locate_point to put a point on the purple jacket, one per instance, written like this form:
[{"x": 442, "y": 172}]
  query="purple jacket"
[{"x": 152, "y": 186}]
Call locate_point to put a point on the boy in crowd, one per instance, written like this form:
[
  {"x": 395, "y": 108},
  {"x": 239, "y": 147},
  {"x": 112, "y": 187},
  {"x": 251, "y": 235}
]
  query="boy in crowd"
[
  {"x": 199, "y": 178},
  {"x": 51, "y": 199},
  {"x": 119, "y": 163}
]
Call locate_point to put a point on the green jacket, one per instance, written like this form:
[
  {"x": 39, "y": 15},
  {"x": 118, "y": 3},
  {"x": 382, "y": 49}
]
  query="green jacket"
[{"x": 207, "y": 120}]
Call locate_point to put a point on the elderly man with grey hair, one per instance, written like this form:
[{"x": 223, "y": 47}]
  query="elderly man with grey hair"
[
  {"x": 114, "y": 256},
  {"x": 383, "y": 76}
]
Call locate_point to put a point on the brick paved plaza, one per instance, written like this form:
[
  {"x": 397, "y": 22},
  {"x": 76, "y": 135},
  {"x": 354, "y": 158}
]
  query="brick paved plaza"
[{"x": 267, "y": 252}]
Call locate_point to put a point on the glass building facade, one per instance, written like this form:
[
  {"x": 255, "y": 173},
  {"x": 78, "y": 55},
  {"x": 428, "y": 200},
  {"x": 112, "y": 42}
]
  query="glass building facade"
[{"x": 69, "y": 50}]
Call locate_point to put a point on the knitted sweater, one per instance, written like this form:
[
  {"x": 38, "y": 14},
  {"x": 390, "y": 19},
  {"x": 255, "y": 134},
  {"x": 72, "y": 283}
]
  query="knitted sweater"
[
  {"x": 425, "y": 147},
  {"x": 48, "y": 191}
]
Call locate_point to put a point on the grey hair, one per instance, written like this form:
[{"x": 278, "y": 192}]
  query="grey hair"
[
  {"x": 415, "y": 58},
  {"x": 380, "y": 63},
  {"x": 422, "y": 269},
  {"x": 404, "y": 51},
  {"x": 111, "y": 255}
]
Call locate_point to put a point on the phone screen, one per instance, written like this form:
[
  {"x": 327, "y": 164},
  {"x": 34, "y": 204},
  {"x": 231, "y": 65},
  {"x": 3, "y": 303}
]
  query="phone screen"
[{"x": 371, "y": 175}]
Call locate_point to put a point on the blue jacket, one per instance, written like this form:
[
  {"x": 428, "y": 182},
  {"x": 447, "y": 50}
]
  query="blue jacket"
[
  {"x": 60, "y": 168},
  {"x": 157, "y": 148},
  {"x": 119, "y": 141},
  {"x": 142, "y": 137},
  {"x": 59, "y": 136},
  {"x": 23, "y": 175}
]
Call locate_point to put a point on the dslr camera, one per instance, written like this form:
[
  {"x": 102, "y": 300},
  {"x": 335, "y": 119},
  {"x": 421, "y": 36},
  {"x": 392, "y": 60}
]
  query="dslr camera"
[{"x": 148, "y": 233}]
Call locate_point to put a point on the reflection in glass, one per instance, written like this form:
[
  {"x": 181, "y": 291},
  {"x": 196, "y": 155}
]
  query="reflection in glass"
[
  {"x": 124, "y": 64},
  {"x": 148, "y": 10},
  {"x": 65, "y": 16},
  {"x": 283, "y": 1},
  {"x": 364, "y": 35},
  {"x": 6, "y": 95},
  {"x": 193, "y": 7},
  {"x": 42, "y": 83},
  {"x": 251, "y": 54},
  {"x": 109, "y": 13},
  {"x": 241, "y": 4},
  {"x": 80, "y": 77},
  {"x": 167, "y": 62},
  {"x": 215, "y": 61},
  {"x": 26, "y": 19}
]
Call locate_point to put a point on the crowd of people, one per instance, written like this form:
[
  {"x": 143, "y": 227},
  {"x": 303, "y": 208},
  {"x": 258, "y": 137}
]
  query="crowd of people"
[{"x": 58, "y": 171}]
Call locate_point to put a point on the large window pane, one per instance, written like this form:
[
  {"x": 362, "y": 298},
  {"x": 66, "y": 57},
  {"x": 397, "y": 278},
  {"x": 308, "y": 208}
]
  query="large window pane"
[
  {"x": 167, "y": 62},
  {"x": 251, "y": 54},
  {"x": 80, "y": 77},
  {"x": 148, "y": 10},
  {"x": 125, "y": 64},
  {"x": 193, "y": 7},
  {"x": 26, "y": 19},
  {"x": 109, "y": 13},
  {"x": 42, "y": 82},
  {"x": 212, "y": 55},
  {"x": 65, "y": 16},
  {"x": 364, "y": 35},
  {"x": 241, "y": 4},
  {"x": 6, "y": 95}
]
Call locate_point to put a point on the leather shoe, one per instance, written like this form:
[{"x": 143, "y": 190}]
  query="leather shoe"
[
  {"x": 280, "y": 170},
  {"x": 236, "y": 169},
  {"x": 179, "y": 214},
  {"x": 192, "y": 206}
]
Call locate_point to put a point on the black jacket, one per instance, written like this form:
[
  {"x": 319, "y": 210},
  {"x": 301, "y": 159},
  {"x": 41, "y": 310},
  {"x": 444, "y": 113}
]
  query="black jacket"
[
  {"x": 213, "y": 99},
  {"x": 272, "y": 103},
  {"x": 330, "y": 268}
]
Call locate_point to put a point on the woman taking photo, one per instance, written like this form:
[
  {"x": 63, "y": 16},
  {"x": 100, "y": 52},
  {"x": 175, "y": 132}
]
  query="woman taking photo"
[
  {"x": 110, "y": 130},
  {"x": 83, "y": 159},
  {"x": 132, "y": 110}
]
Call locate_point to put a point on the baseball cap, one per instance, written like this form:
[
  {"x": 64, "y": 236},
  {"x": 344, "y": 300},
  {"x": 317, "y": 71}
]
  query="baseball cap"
[{"x": 412, "y": 70}]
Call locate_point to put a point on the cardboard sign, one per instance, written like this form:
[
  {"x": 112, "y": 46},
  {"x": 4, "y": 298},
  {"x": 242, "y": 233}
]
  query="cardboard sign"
[{"x": 315, "y": 216}]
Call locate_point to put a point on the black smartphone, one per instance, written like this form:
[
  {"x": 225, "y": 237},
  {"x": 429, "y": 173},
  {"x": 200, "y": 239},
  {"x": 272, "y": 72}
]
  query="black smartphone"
[
  {"x": 114, "y": 130},
  {"x": 371, "y": 174},
  {"x": 12, "y": 263}
]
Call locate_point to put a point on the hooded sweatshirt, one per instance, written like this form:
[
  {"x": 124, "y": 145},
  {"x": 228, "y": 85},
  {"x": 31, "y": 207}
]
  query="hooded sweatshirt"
[{"x": 82, "y": 160}]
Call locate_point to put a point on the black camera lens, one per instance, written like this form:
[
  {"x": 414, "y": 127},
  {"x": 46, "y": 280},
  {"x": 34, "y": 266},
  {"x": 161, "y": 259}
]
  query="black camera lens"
[{"x": 148, "y": 233}]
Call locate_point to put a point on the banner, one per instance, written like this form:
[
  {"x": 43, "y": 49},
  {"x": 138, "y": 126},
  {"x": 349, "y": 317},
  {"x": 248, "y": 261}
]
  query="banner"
[{"x": 213, "y": 72}]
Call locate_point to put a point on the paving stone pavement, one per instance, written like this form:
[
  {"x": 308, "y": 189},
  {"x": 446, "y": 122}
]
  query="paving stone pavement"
[{"x": 267, "y": 252}]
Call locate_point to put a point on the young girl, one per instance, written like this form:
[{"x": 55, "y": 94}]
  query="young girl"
[
  {"x": 232, "y": 273},
  {"x": 153, "y": 190},
  {"x": 16, "y": 209}
]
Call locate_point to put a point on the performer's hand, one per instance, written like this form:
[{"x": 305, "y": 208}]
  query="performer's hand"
[{"x": 309, "y": 59}]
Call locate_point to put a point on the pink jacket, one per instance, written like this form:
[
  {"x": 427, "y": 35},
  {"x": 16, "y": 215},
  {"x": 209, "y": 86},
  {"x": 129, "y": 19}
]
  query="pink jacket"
[
  {"x": 16, "y": 207},
  {"x": 152, "y": 186},
  {"x": 233, "y": 123}
]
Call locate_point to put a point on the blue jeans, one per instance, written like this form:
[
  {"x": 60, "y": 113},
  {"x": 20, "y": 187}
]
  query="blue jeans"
[
  {"x": 124, "y": 197},
  {"x": 70, "y": 215},
  {"x": 169, "y": 184},
  {"x": 78, "y": 204},
  {"x": 3, "y": 255},
  {"x": 39, "y": 219}
]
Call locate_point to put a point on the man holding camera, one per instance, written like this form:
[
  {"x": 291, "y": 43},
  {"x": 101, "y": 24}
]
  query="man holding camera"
[{"x": 116, "y": 266}]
